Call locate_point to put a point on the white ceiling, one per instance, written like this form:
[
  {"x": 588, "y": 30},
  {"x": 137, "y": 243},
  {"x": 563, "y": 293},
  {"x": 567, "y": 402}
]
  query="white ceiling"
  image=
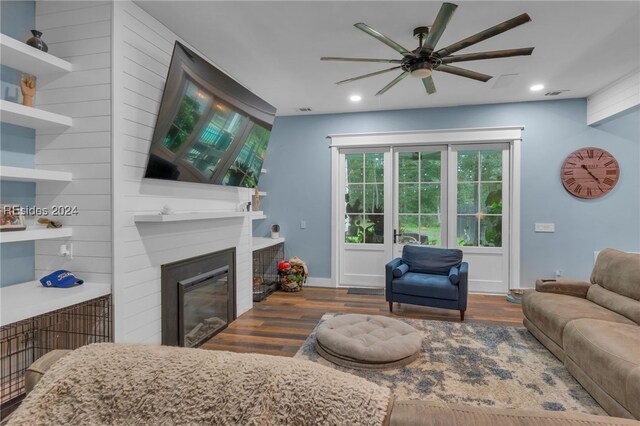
[{"x": 273, "y": 48}]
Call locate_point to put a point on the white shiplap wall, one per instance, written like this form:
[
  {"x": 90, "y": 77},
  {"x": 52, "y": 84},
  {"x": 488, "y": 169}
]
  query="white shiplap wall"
[
  {"x": 142, "y": 50},
  {"x": 79, "y": 32},
  {"x": 617, "y": 97}
]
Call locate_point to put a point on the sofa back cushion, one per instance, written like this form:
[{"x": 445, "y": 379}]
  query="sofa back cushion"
[
  {"x": 430, "y": 260},
  {"x": 622, "y": 305},
  {"x": 618, "y": 272}
]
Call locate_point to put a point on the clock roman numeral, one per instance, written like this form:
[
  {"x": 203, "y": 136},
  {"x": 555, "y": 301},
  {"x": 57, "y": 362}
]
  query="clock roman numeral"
[
  {"x": 568, "y": 173},
  {"x": 579, "y": 156},
  {"x": 569, "y": 162},
  {"x": 590, "y": 153},
  {"x": 608, "y": 181},
  {"x": 612, "y": 172},
  {"x": 608, "y": 163},
  {"x": 571, "y": 181},
  {"x": 578, "y": 188},
  {"x": 589, "y": 192},
  {"x": 600, "y": 156}
]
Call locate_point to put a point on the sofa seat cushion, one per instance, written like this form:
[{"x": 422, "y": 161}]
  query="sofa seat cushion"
[
  {"x": 425, "y": 285},
  {"x": 610, "y": 355},
  {"x": 552, "y": 312}
]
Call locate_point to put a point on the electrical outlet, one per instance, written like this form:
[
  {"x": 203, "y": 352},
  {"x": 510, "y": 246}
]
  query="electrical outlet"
[
  {"x": 545, "y": 227},
  {"x": 558, "y": 273},
  {"x": 303, "y": 224}
]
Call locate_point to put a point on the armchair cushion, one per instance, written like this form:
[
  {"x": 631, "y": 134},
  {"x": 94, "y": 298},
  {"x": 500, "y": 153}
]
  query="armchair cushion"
[
  {"x": 430, "y": 260},
  {"x": 400, "y": 270},
  {"x": 425, "y": 285},
  {"x": 454, "y": 275}
]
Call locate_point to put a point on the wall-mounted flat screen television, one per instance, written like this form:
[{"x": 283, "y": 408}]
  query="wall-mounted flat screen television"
[{"x": 210, "y": 129}]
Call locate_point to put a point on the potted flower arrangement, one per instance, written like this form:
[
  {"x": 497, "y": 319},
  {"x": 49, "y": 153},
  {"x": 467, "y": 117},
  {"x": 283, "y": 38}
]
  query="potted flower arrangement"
[{"x": 293, "y": 274}]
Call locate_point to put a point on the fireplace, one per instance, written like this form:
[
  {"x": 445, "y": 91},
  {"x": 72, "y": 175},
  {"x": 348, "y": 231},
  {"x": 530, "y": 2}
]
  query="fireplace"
[{"x": 198, "y": 298}]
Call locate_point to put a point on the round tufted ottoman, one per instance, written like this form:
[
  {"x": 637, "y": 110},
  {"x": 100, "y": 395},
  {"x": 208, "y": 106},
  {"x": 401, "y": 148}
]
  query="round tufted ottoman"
[{"x": 367, "y": 341}]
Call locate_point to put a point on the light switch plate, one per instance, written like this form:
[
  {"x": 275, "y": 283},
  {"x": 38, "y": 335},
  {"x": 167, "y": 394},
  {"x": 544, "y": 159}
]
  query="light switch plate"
[
  {"x": 303, "y": 224},
  {"x": 545, "y": 227}
]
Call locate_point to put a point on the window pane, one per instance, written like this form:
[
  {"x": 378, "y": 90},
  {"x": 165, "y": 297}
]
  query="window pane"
[
  {"x": 467, "y": 231},
  {"x": 408, "y": 167},
  {"x": 374, "y": 229},
  {"x": 491, "y": 198},
  {"x": 193, "y": 105},
  {"x": 354, "y": 198},
  {"x": 374, "y": 198},
  {"x": 430, "y": 166},
  {"x": 468, "y": 198},
  {"x": 355, "y": 164},
  {"x": 374, "y": 167},
  {"x": 246, "y": 167},
  {"x": 491, "y": 165},
  {"x": 430, "y": 230},
  {"x": 408, "y": 229},
  {"x": 467, "y": 166},
  {"x": 430, "y": 198},
  {"x": 354, "y": 233},
  {"x": 408, "y": 197},
  {"x": 491, "y": 231}
]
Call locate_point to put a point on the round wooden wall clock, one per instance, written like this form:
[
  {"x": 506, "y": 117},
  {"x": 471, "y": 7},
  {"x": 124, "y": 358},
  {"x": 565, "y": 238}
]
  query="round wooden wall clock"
[{"x": 589, "y": 172}]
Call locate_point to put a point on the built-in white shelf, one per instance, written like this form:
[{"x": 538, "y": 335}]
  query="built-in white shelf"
[
  {"x": 19, "y": 55},
  {"x": 258, "y": 215},
  {"x": 260, "y": 243},
  {"x": 181, "y": 217},
  {"x": 26, "y": 300},
  {"x": 34, "y": 233},
  {"x": 33, "y": 118},
  {"x": 22, "y": 174}
]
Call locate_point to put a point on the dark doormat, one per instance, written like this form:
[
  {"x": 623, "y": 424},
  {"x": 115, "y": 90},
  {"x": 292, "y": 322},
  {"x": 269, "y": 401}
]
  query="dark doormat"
[{"x": 367, "y": 291}]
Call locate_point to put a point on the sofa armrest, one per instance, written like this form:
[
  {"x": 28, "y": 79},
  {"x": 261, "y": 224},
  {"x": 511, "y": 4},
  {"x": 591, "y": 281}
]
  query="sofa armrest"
[
  {"x": 463, "y": 286},
  {"x": 388, "y": 275},
  {"x": 568, "y": 287}
]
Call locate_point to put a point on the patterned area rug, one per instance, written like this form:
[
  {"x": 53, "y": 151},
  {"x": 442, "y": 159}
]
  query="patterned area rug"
[{"x": 479, "y": 365}]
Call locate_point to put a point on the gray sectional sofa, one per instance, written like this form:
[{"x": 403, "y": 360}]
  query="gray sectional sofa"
[{"x": 594, "y": 328}]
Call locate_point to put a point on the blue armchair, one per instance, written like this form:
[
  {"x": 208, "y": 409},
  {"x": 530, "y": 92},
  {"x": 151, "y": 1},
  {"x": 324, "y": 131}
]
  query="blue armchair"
[{"x": 428, "y": 276}]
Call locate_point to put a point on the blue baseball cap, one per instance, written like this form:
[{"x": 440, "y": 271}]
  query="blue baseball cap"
[{"x": 60, "y": 278}]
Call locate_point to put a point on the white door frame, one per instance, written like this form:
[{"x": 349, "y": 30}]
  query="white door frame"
[{"x": 511, "y": 135}]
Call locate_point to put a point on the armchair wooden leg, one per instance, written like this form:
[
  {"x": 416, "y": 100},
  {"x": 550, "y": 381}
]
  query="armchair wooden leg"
[
  {"x": 462, "y": 315},
  {"x": 390, "y": 306}
]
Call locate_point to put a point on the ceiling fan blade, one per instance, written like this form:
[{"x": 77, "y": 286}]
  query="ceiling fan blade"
[
  {"x": 383, "y": 38},
  {"x": 429, "y": 86},
  {"x": 393, "y": 83},
  {"x": 332, "y": 58},
  {"x": 439, "y": 25},
  {"x": 483, "y": 35},
  {"x": 464, "y": 73},
  {"x": 367, "y": 75},
  {"x": 488, "y": 55}
]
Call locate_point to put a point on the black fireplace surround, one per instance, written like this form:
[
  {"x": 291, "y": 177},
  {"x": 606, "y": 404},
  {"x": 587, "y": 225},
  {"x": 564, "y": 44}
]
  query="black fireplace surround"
[{"x": 198, "y": 298}]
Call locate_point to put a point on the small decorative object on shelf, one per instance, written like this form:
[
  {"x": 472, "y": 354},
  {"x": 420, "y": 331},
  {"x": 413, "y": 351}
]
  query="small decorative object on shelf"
[
  {"x": 293, "y": 274},
  {"x": 275, "y": 231},
  {"x": 256, "y": 199},
  {"x": 166, "y": 209},
  {"x": 50, "y": 223},
  {"x": 28, "y": 88},
  {"x": 37, "y": 42},
  {"x": 11, "y": 219}
]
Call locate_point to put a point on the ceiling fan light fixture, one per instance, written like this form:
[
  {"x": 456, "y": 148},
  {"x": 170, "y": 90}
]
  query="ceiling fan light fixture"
[{"x": 421, "y": 70}]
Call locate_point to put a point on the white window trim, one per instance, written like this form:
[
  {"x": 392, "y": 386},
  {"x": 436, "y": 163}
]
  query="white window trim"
[{"x": 509, "y": 134}]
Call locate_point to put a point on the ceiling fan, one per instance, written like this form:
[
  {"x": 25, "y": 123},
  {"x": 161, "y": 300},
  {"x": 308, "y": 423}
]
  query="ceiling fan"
[{"x": 422, "y": 61}]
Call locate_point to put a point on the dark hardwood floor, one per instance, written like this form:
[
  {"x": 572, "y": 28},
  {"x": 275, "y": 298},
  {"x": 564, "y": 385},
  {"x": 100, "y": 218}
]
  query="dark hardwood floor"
[{"x": 280, "y": 324}]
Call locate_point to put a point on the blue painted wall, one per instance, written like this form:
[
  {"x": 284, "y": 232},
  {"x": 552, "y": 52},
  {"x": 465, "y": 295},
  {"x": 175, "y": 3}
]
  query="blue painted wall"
[
  {"x": 298, "y": 181},
  {"x": 17, "y": 146}
]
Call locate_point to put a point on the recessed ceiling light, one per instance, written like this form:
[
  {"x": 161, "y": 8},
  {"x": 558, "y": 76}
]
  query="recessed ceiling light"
[
  {"x": 355, "y": 98},
  {"x": 536, "y": 87}
]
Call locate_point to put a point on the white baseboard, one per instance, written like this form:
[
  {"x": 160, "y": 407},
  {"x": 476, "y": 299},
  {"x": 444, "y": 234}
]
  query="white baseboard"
[{"x": 320, "y": 282}]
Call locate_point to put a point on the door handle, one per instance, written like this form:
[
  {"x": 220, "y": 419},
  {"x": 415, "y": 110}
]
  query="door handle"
[{"x": 395, "y": 235}]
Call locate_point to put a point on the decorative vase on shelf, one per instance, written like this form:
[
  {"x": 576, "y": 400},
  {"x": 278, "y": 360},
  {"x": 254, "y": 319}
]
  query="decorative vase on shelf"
[{"x": 37, "y": 42}]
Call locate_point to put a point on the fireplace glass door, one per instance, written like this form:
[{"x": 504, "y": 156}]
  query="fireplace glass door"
[{"x": 203, "y": 306}]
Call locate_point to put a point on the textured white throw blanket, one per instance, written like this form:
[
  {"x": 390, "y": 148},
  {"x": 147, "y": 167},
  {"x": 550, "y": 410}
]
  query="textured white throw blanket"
[{"x": 119, "y": 384}]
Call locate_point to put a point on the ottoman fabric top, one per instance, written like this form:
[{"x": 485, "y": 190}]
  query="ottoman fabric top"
[{"x": 369, "y": 338}]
